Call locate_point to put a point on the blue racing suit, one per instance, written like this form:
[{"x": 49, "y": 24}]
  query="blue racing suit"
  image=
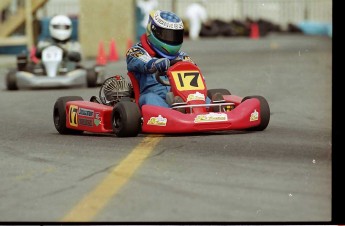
[{"x": 151, "y": 91}]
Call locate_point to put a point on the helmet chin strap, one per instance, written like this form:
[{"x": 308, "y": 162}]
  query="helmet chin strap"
[{"x": 146, "y": 45}]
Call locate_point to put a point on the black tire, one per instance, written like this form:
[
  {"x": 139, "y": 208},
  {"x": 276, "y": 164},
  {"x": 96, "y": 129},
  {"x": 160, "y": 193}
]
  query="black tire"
[
  {"x": 11, "y": 80},
  {"x": 91, "y": 77},
  {"x": 59, "y": 115},
  {"x": 211, "y": 92},
  {"x": 265, "y": 113},
  {"x": 126, "y": 119}
]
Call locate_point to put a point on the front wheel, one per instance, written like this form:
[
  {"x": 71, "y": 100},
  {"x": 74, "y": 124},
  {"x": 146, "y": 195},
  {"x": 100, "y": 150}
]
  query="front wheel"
[
  {"x": 264, "y": 111},
  {"x": 11, "y": 80},
  {"x": 59, "y": 115},
  {"x": 91, "y": 77},
  {"x": 126, "y": 119}
]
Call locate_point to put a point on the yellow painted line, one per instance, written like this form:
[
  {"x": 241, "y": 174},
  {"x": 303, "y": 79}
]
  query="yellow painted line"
[{"x": 96, "y": 200}]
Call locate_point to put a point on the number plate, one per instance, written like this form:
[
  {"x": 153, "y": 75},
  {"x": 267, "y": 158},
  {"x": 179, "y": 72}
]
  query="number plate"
[
  {"x": 52, "y": 53},
  {"x": 188, "y": 80}
]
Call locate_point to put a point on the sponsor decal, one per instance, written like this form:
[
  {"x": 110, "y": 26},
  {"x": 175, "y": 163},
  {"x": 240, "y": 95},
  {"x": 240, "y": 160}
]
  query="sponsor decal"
[
  {"x": 211, "y": 117},
  {"x": 157, "y": 121},
  {"x": 73, "y": 115},
  {"x": 132, "y": 50},
  {"x": 196, "y": 96},
  {"x": 135, "y": 52},
  {"x": 85, "y": 112},
  {"x": 97, "y": 121},
  {"x": 138, "y": 53},
  {"x": 85, "y": 122},
  {"x": 166, "y": 24},
  {"x": 254, "y": 116}
]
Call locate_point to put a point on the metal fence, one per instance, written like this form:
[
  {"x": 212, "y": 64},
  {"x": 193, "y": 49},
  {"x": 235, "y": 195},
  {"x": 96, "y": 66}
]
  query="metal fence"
[{"x": 280, "y": 12}]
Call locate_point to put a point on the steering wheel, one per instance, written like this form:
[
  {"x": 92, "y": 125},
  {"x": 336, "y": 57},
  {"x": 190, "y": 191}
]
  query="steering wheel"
[{"x": 159, "y": 74}]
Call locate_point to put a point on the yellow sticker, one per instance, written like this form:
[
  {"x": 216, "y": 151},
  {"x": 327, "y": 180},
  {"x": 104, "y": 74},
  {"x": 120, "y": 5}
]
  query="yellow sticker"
[
  {"x": 188, "y": 80},
  {"x": 73, "y": 115}
]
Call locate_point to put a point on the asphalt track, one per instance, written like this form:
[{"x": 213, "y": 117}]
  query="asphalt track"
[{"x": 282, "y": 174}]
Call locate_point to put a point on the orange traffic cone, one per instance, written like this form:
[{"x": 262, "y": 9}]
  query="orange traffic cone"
[
  {"x": 113, "y": 56},
  {"x": 254, "y": 31},
  {"x": 101, "y": 57},
  {"x": 33, "y": 55}
]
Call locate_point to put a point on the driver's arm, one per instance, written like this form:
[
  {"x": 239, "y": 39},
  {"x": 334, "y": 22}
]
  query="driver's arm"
[
  {"x": 138, "y": 60},
  {"x": 40, "y": 46},
  {"x": 74, "y": 51},
  {"x": 74, "y": 56}
]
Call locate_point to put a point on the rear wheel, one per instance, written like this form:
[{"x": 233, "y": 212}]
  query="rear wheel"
[
  {"x": 126, "y": 119},
  {"x": 59, "y": 115},
  {"x": 11, "y": 80},
  {"x": 264, "y": 112},
  {"x": 91, "y": 77}
]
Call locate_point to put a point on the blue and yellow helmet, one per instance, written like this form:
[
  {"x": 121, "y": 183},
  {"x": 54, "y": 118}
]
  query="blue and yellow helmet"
[{"x": 165, "y": 33}]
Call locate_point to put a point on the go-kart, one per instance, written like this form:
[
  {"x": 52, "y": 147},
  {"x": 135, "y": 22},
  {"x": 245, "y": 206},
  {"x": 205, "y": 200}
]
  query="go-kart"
[
  {"x": 54, "y": 70},
  {"x": 116, "y": 110}
]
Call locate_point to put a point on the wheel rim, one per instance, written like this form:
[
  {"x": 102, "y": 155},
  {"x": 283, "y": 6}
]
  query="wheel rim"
[{"x": 117, "y": 120}]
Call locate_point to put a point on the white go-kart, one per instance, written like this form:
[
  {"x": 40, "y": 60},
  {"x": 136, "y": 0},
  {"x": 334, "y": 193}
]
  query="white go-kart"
[{"x": 53, "y": 71}]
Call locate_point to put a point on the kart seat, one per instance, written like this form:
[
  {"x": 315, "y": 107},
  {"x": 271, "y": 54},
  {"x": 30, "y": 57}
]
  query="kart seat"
[{"x": 135, "y": 85}]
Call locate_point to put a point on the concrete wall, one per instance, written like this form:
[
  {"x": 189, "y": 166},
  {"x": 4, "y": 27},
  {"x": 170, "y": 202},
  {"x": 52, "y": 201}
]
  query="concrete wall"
[{"x": 104, "y": 20}]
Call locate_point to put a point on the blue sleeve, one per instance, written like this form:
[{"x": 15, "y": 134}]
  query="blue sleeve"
[{"x": 137, "y": 59}]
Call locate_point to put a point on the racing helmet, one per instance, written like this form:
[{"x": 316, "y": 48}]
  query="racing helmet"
[
  {"x": 165, "y": 33},
  {"x": 60, "y": 27}
]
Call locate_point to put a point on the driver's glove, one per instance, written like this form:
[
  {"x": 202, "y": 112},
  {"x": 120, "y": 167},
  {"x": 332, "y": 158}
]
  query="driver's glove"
[
  {"x": 74, "y": 56},
  {"x": 38, "y": 53},
  {"x": 160, "y": 65}
]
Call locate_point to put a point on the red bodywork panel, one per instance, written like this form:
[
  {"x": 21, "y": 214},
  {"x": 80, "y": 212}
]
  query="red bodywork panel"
[
  {"x": 94, "y": 117},
  {"x": 164, "y": 120},
  {"x": 89, "y": 116}
]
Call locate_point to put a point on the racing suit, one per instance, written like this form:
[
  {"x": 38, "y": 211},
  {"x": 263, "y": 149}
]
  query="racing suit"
[
  {"x": 151, "y": 91},
  {"x": 72, "y": 48}
]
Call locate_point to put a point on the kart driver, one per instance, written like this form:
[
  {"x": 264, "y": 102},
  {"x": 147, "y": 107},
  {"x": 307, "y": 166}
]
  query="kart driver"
[
  {"x": 60, "y": 30},
  {"x": 160, "y": 44}
]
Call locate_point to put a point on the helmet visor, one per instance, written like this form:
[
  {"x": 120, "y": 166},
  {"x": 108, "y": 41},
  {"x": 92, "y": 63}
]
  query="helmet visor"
[
  {"x": 62, "y": 27},
  {"x": 169, "y": 36}
]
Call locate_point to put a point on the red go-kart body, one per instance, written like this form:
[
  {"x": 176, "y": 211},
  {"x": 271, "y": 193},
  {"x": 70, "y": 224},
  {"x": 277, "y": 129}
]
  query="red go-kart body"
[{"x": 125, "y": 118}]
